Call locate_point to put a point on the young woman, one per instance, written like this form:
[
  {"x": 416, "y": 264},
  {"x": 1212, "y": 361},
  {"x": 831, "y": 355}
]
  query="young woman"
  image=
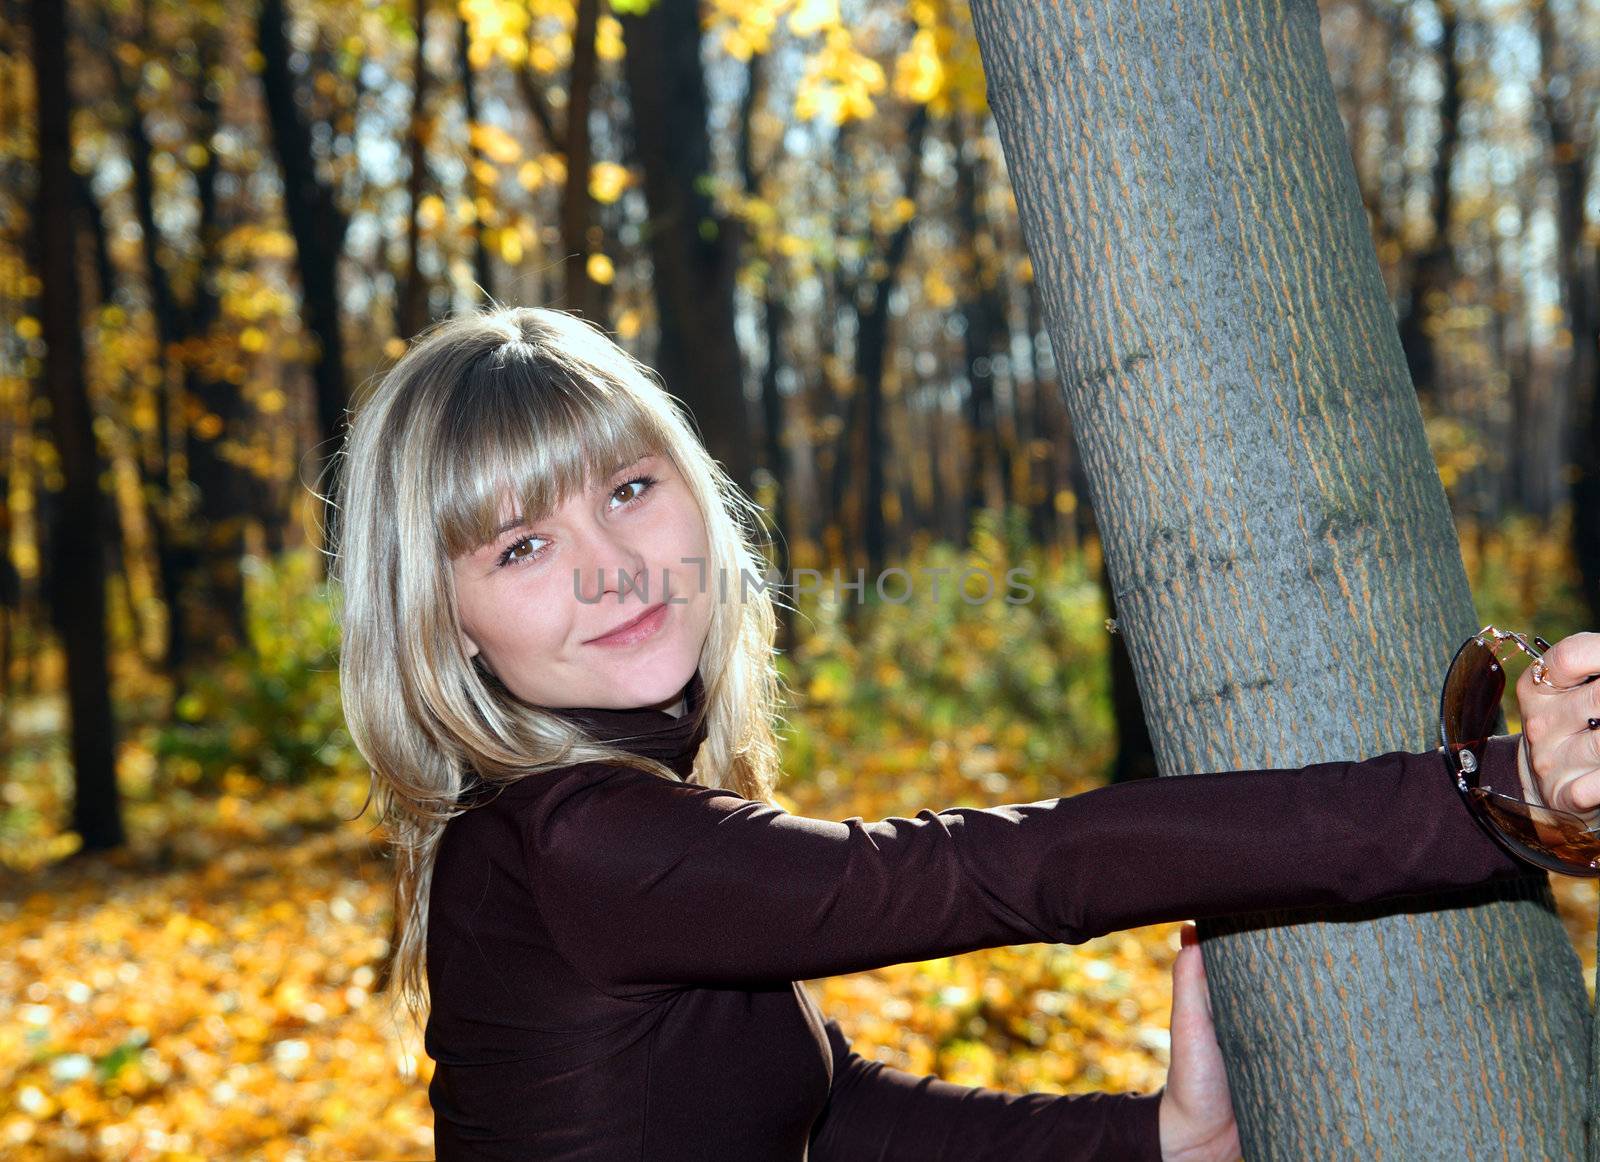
[{"x": 566, "y": 693}]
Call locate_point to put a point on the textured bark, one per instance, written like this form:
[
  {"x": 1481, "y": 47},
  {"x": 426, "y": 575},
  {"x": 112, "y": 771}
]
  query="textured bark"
[
  {"x": 76, "y": 578},
  {"x": 1285, "y": 566}
]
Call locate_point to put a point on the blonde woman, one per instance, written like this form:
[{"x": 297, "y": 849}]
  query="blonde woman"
[{"x": 565, "y": 691}]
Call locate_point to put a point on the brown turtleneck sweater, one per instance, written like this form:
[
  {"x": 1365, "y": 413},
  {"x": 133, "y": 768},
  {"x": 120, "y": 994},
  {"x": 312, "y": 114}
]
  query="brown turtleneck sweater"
[{"x": 614, "y": 959}]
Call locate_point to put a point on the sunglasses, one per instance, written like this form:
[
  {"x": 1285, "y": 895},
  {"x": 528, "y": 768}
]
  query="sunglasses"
[{"x": 1469, "y": 715}]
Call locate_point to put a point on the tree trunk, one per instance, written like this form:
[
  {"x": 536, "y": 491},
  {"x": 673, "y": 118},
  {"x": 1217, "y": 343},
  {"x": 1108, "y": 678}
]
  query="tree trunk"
[
  {"x": 414, "y": 285},
  {"x": 582, "y": 292},
  {"x": 318, "y": 227},
  {"x": 694, "y": 250},
  {"x": 228, "y": 492},
  {"x": 988, "y": 464},
  {"x": 77, "y": 576},
  {"x": 1285, "y": 567},
  {"x": 872, "y": 353},
  {"x": 1575, "y": 395},
  {"x": 481, "y": 272},
  {"x": 1427, "y": 295},
  {"x": 1568, "y": 167}
]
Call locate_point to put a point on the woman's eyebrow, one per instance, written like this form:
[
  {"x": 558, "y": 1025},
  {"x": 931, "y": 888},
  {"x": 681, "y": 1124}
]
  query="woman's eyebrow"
[{"x": 518, "y": 522}]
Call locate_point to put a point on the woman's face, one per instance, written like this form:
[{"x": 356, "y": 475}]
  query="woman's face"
[{"x": 549, "y": 605}]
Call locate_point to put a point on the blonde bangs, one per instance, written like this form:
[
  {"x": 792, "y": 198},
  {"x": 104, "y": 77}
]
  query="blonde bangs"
[{"x": 521, "y": 428}]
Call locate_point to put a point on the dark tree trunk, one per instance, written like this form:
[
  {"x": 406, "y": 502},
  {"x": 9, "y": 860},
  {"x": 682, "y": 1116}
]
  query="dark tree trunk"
[
  {"x": 775, "y": 322},
  {"x": 694, "y": 250},
  {"x": 197, "y": 552},
  {"x": 172, "y": 545},
  {"x": 481, "y": 271},
  {"x": 414, "y": 284},
  {"x": 872, "y": 353},
  {"x": 318, "y": 227},
  {"x": 988, "y": 464},
  {"x": 1576, "y": 266},
  {"x": 76, "y": 584},
  {"x": 583, "y": 293},
  {"x": 1285, "y": 566},
  {"x": 227, "y": 492},
  {"x": 1427, "y": 297}
]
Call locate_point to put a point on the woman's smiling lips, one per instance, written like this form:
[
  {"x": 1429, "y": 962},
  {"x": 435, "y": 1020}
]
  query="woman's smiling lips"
[{"x": 634, "y": 630}]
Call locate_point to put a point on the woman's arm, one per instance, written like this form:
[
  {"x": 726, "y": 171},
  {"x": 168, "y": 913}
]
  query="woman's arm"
[
  {"x": 648, "y": 885},
  {"x": 876, "y": 1113}
]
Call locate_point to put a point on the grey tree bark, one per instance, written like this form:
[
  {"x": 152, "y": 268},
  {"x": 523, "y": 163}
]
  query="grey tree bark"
[{"x": 1285, "y": 567}]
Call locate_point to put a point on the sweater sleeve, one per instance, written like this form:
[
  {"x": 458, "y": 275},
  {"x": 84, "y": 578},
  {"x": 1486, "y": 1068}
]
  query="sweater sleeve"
[
  {"x": 876, "y": 1113},
  {"x": 649, "y": 885}
]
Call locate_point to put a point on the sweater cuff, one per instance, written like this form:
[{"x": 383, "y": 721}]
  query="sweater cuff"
[{"x": 1135, "y": 1130}]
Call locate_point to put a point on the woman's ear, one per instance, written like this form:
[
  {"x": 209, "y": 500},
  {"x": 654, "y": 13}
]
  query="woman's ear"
[{"x": 469, "y": 645}]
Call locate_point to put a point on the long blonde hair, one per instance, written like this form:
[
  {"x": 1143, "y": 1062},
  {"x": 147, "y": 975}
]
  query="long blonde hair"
[{"x": 540, "y": 403}]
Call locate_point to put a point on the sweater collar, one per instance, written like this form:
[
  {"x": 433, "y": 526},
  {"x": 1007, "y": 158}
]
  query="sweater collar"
[{"x": 651, "y": 733}]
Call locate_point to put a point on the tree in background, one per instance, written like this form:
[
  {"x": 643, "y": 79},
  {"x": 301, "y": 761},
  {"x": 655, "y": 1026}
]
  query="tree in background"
[
  {"x": 78, "y": 540},
  {"x": 1284, "y": 563}
]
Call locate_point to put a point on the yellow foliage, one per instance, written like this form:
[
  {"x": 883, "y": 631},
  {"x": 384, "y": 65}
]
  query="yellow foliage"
[
  {"x": 555, "y": 168},
  {"x": 607, "y": 180},
  {"x": 543, "y": 59},
  {"x": 510, "y": 246},
  {"x": 608, "y": 41},
  {"x": 812, "y": 16},
  {"x": 496, "y": 28},
  {"x": 600, "y": 269},
  {"x": 744, "y": 28},
  {"x": 494, "y": 143},
  {"x": 430, "y": 212},
  {"x": 839, "y": 82},
  {"x": 919, "y": 74}
]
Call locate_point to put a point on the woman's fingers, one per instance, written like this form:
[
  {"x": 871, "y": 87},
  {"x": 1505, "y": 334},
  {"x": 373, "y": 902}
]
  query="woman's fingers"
[
  {"x": 1563, "y": 753},
  {"x": 1568, "y": 770},
  {"x": 1571, "y": 661},
  {"x": 1197, "y": 1109}
]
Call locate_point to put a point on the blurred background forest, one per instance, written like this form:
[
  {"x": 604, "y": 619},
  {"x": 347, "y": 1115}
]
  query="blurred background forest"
[{"x": 219, "y": 221}]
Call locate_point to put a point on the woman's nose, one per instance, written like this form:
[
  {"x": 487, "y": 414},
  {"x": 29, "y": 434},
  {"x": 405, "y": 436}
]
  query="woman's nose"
[{"x": 613, "y": 569}]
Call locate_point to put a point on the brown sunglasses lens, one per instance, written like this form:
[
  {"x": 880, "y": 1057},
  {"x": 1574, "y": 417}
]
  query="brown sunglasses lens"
[
  {"x": 1549, "y": 839},
  {"x": 1470, "y": 708}
]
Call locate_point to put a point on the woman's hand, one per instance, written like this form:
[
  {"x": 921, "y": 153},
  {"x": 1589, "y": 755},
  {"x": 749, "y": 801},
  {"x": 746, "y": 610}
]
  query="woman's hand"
[
  {"x": 1196, "y": 1113},
  {"x": 1559, "y": 758}
]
